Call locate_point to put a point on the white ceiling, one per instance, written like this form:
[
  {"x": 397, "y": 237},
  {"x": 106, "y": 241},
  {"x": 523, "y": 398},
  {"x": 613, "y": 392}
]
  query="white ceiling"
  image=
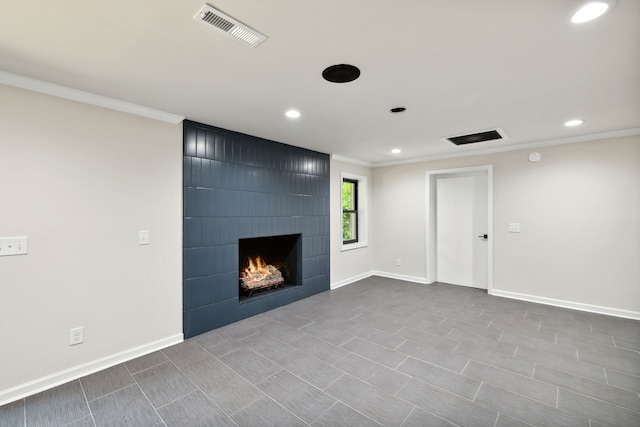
[{"x": 458, "y": 66}]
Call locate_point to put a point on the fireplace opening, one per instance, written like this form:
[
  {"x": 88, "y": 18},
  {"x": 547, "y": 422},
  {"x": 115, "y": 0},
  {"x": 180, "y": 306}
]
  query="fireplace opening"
[{"x": 268, "y": 264}]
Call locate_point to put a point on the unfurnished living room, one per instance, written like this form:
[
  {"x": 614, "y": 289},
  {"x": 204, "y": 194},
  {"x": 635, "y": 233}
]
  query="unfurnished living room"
[{"x": 338, "y": 213}]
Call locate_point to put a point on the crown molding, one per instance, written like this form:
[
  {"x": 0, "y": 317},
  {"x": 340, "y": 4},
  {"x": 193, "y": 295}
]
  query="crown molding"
[
  {"x": 340, "y": 158},
  {"x": 525, "y": 146},
  {"x": 47, "y": 88}
]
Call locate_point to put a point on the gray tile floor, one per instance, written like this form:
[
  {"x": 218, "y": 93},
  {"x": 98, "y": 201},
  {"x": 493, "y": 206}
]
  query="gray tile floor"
[{"x": 377, "y": 352}]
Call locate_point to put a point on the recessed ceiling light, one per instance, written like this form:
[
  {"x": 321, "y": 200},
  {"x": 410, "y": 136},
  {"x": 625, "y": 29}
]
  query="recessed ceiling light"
[
  {"x": 592, "y": 10},
  {"x": 574, "y": 122},
  {"x": 292, "y": 114},
  {"x": 396, "y": 151}
]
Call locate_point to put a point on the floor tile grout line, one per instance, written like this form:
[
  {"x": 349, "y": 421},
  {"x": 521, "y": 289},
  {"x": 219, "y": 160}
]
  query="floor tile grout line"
[
  {"x": 146, "y": 369},
  {"x": 86, "y": 400},
  {"x": 196, "y": 385},
  {"x": 283, "y": 407},
  {"x": 599, "y": 400},
  {"x": 188, "y": 379},
  {"x": 149, "y": 401}
]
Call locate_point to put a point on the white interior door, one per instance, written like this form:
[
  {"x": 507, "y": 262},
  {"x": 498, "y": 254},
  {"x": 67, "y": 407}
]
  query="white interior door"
[{"x": 461, "y": 217}]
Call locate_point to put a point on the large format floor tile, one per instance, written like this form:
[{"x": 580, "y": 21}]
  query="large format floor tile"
[{"x": 379, "y": 352}]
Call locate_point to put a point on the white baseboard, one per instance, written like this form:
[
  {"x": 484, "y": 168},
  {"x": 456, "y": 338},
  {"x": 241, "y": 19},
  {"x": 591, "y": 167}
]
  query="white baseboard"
[
  {"x": 414, "y": 279},
  {"x": 609, "y": 311},
  {"x": 354, "y": 279},
  {"x": 62, "y": 377},
  {"x": 351, "y": 280}
]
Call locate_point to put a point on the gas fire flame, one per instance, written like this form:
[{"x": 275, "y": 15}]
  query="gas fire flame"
[
  {"x": 259, "y": 274},
  {"x": 257, "y": 269}
]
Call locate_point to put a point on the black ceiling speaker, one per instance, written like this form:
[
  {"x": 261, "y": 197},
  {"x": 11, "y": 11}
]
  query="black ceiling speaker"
[{"x": 341, "y": 73}]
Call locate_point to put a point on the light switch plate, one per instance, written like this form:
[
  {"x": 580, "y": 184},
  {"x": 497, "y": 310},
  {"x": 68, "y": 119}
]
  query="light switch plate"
[
  {"x": 514, "y": 227},
  {"x": 14, "y": 246},
  {"x": 143, "y": 237}
]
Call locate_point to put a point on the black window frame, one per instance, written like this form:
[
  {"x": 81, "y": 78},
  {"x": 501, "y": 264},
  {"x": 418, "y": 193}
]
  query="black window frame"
[{"x": 354, "y": 211}]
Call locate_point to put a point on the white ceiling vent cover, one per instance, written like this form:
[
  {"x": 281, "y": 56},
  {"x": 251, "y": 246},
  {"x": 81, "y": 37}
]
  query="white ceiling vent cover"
[{"x": 229, "y": 26}]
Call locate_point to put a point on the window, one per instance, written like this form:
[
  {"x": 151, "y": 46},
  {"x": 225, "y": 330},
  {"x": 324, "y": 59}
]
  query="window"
[
  {"x": 353, "y": 206},
  {"x": 349, "y": 211}
]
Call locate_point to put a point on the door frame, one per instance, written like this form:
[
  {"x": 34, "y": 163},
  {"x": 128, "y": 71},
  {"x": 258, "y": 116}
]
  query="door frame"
[{"x": 431, "y": 193}]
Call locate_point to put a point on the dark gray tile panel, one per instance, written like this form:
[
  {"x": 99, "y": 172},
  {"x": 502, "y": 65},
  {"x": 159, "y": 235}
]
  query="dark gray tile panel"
[
  {"x": 250, "y": 365},
  {"x": 12, "y": 414},
  {"x": 298, "y": 396},
  {"x": 57, "y": 406},
  {"x": 376, "y": 336},
  {"x": 432, "y": 340},
  {"x": 106, "y": 381},
  {"x": 369, "y": 400},
  {"x": 502, "y": 347},
  {"x": 265, "y": 412},
  {"x": 420, "y": 418},
  {"x": 384, "y": 378},
  {"x": 128, "y": 406},
  {"x": 488, "y": 357},
  {"x": 448, "y": 406},
  {"x": 586, "y": 370},
  {"x": 597, "y": 410},
  {"x": 341, "y": 415},
  {"x": 374, "y": 352},
  {"x": 163, "y": 383},
  {"x": 310, "y": 369},
  {"x": 515, "y": 383},
  {"x": 618, "y": 379},
  {"x": 454, "y": 382},
  {"x": 146, "y": 362},
  {"x": 319, "y": 349},
  {"x": 453, "y": 362},
  {"x": 527, "y": 410},
  {"x": 194, "y": 410},
  {"x": 228, "y": 389},
  {"x": 618, "y": 396}
]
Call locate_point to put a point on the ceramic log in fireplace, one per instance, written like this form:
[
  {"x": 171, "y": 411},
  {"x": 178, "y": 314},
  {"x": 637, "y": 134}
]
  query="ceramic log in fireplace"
[{"x": 268, "y": 264}]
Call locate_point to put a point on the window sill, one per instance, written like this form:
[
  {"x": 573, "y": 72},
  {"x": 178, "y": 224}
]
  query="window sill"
[{"x": 351, "y": 246}]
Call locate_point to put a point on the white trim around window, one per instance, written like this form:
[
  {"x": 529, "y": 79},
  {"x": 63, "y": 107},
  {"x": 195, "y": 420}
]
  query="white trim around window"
[{"x": 363, "y": 227}]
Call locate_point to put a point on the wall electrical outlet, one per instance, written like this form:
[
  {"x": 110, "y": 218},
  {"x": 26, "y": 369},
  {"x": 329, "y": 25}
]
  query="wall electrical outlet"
[
  {"x": 514, "y": 227},
  {"x": 143, "y": 237},
  {"x": 398, "y": 262},
  {"x": 76, "y": 335}
]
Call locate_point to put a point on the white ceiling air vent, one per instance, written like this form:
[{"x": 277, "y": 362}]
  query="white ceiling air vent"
[{"x": 229, "y": 26}]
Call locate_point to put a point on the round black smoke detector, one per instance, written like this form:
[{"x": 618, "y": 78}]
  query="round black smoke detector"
[
  {"x": 341, "y": 73},
  {"x": 397, "y": 110}
]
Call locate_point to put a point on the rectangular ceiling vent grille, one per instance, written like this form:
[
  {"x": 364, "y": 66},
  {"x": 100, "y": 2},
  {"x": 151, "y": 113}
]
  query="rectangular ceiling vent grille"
[
  {"x": 229, "y": 26},
  {"x": 473, "y": 138}
]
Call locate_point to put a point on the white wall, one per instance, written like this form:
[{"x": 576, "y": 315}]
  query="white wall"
[
  {"x": 579, "y": 210},
  {"x": 347, "y": 266},
  {"x": 80, "y": 181}
]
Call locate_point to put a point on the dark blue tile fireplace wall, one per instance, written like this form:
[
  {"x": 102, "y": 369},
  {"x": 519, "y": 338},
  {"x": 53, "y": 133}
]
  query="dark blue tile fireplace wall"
[{"x": 238, "y": 186}]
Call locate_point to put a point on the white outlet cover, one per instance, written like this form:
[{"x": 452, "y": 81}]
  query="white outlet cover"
[
  {"x": 143, "y": 237},
  {"x": 76, "y": 336},
  {"x": 514, "y": 227}
]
